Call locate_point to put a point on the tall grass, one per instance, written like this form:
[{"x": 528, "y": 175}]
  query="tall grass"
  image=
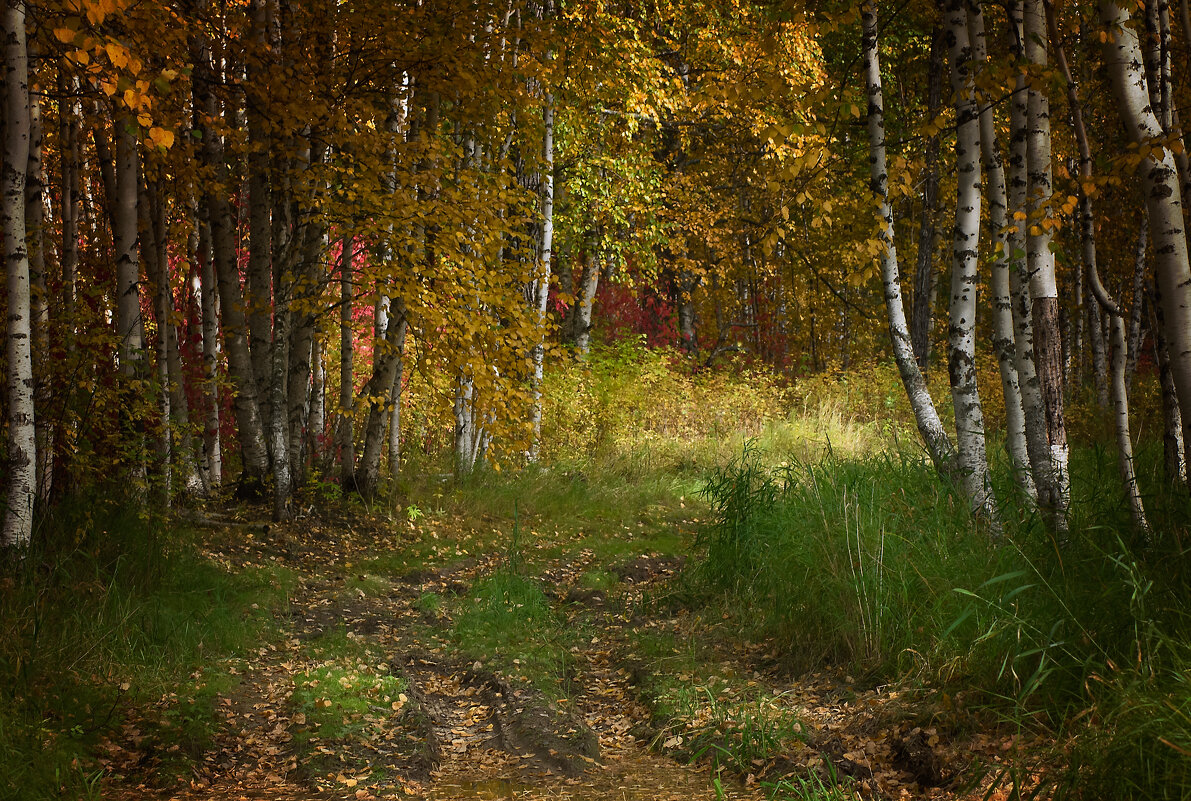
[
  {"x": 116, "y": 611},
  {"x": 874, "y": 563}
]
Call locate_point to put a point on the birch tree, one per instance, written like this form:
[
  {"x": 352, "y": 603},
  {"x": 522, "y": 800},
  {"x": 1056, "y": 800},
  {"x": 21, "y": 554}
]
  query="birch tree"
[
  {"x": 1163, "y": 195},
  {"x": 22, "y": 454},
  {"x": 971, "y": 457},
  {"x": 1040, "y": 260},
  {"x": 1087, "y": 226},
  {"x": 938, "y": 444},
  {"x": 1004, "y": 345}
]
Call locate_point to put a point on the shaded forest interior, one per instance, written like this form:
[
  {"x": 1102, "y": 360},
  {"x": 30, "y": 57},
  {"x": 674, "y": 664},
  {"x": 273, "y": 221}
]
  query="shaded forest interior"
[{"x": 774, "y": 400}]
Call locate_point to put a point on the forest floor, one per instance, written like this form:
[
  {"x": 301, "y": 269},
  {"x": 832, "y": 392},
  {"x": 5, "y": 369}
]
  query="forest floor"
[{"x": 469, "y": 654}]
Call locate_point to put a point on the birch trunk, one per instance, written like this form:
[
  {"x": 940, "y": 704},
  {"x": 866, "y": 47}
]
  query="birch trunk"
[
  {"x": 129, "y": 323},
  {"x": 1087, "y": 224},
  {"x": 1053, "y": 497},
  {"x": 541, "y": 286},
  {"x": 39, "y": 300},
  {"x": 938, "y": 444},
  {"x": 1033, "y": 410},
  {"x": 465, "y": 437},
  {"x": 279, "y": 428},
  {"x": 317, "y": 420},
  {"x": 69, "y": 192},
  {"x": 971, "y": 456},
  {"x": 589, "y": 281},
  {"x": 379, "y": 393},
  {"x": 22, "y": 442},
  {"x": 1002, "y": 299},
  {"x": 1164, "y": 200}
]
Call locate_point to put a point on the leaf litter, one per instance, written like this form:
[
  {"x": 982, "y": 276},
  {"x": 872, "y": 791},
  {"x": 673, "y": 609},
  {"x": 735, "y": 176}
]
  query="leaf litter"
[{"x": 358, "y": 695}]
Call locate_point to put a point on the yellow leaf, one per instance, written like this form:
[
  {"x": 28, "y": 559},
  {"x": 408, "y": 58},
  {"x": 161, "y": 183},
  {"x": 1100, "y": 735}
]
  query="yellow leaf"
[
  {"x": 144, "y": 119},
  {"x": 64, "y": 35},
  {"x": 109, "y": 87},
  {"x": 117, "y": 54},
  {"x": 162, "y": 137}
]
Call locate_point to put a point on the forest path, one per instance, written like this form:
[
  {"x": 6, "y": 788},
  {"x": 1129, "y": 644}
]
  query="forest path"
[{"x": 369, "y": 686}]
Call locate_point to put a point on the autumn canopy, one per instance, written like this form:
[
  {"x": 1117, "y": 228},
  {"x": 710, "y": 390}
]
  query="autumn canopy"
[{"x": 261, "y": 241}]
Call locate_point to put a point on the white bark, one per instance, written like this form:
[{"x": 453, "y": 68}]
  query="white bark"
[
  {"x": 129, "y": 325},
  {"x": 1087, "y": 224},
  {"x": 466, "y": 437},
  {"x": 1163, "y": 196},
  {"x": 22, "y": 454},
  {"x": 971, "y": 457},
  {"x": 316, "y": 422},
  {"x": 541, "y": 286},
  {"x": 39, "y": 301},
  {"x": 1002, "y": 300},
  {"x": 1044, "y": 293},
  {"x": 1033, "y": 410},
  {"x": 938, "y": 444},
  {"x": 278, "y": 391}
]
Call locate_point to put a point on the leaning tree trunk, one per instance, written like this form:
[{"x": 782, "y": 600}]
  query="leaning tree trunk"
[
  {"x": 387, "y": 359},
  {"x": 938, "y": 444},
  {"x": 1099, "y": 353},
  {"x": 1087, "y": 226},
  {"x": 1164, "y": 199},
  {"x": 22, "y": 444},
  {"x": 971, "y": 456}
]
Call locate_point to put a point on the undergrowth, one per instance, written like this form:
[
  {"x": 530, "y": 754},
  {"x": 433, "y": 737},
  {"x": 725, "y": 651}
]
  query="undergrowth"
[
  {"x": 118, "y": 612},
  {"x": 874, "y": 563}
]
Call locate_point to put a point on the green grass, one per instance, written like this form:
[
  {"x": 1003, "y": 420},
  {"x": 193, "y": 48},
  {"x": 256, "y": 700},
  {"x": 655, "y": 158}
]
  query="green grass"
[
  {"x": 336, "y": 700},
  {"x": 119, "y": 613},
  {"x": 874, "y": 564},
  {"x": 508, "y": 621}
]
